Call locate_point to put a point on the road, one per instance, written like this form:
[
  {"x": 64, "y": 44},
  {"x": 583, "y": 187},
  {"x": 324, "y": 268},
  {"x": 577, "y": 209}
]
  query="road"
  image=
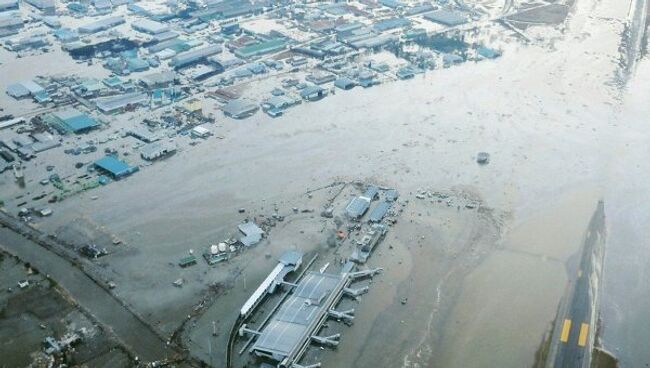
[
  {"x": 132, "y": 331},
  {"x": 573, "y": 337}
]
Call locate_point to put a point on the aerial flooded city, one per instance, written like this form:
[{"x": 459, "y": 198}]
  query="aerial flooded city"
[{"x": 293, "y": 184}]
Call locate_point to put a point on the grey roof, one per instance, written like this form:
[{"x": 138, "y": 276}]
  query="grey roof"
[
  {"x": 102, "y": 24},
  {"x": 239, "y": 108},
  {"x": 344, "y": 83},
  {"x": 45, "y": 145},
  {"x": 250, "y": 228},
  {"x": 41, "y": 4},
  {"x": 249, "y": 240},
  {"x": 391, "y": 195},
  {"x": 32, "y": 87},
  {"x": 157, "y": 149},
  {"x": 149, "y": 26},
  {"x": 17, "y": 90},
  {"x": 371, "y": 192},
  {"x": 290, "y": 257},
  {"x": 379, "y": 211},
  {"x": 281, "y": 102},
  {"x": 311, "y": 90},
  {"x": 290, "y": 324},
  {"x": 357, "y": 207},
  {"x": 189, "y": 57},
  {"x": 446, "y": 17},
  {"x": 143, "y": 134},
  {"x": 108, "y": 104},
  {"x": 159, "y": 78}
]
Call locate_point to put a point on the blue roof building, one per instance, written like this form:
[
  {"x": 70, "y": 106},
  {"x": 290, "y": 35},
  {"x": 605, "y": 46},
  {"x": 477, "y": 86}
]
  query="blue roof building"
[
  {"x": 115, "y": 168},
  {"x": 72, "y": 121}
]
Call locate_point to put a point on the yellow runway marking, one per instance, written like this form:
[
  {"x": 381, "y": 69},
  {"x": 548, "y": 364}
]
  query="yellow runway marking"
[
  {"x": 584, "y": 332},
  {"x": 566, "y": 327}
]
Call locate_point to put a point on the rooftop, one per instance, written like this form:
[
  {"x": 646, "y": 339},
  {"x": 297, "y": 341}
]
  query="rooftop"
[{"x": 291, "y": 324}]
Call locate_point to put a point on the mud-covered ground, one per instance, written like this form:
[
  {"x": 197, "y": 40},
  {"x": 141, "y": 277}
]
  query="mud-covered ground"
[{"x": 42, "y": 309}]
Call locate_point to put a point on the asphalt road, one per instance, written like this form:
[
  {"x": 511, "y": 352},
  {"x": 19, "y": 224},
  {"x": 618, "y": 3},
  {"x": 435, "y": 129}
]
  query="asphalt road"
[{"x": 574, "y": 328}]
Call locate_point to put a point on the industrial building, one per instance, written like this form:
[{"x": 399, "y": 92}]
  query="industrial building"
[
  {"x": 239, "y": 108},
  {"x": 377, "y": 214},
  {"x": 45, "y": 6},
  {"x": 368, "y": 242},
  {"x": 252, "y": 233},
  {"x": 10, "y": 23},
  {"x": 114, "y": 104},
  {"x": 101, "y": 25},
  {"x": 27, "y": 42},
  {"x": 261, "y": 48},
  {"x": 357, "y": 207},
  {"x": 115, "y": 168},
  {"x": 446, "y": 17},
  {"x": 157, "y": 150},
  {"x": 149, "y": 26},
  {"x": 200, "y": 132},
  {"x": 344, "y": 83},
  {"x": 143, "y": 134},
  {"x": 71, "y": 121},
  {"x": 159, "y": 79},
  {"x": 195, "y": 56},
  {"x": 313, "y": 93}
]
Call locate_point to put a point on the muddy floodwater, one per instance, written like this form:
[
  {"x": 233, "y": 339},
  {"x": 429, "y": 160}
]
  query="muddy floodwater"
[{"x": 564, "y": 118}]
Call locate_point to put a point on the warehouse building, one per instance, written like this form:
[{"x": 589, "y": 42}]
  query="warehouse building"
[
  {"x": 45, "y": 6},
  {"x": 149, "y": 26},
  {"x": 157, "y": 150},
  {"x": 71, "y": 121},
  {"x": 159, "y": 79},
  {"x": 194, "y": 57},
  {"x": 10, "y": 23},
  {"x": 261, "y": 48},
  {"x": 344, "y": 83},
  {"x": 101, "y": 25},
  {"x": 357, "y": 207},
  {"x": 378, "y": 213},
  {"x": 25, "y": 43},
  {"x": 239, "y": 109},
  {"x": 313, "y": 93},
  {"x": 115, "y": 168},
  {"x": 143, "y": 134},
  {"x": 115, "y": 104},
  {"x": 446, "y": 17}
]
